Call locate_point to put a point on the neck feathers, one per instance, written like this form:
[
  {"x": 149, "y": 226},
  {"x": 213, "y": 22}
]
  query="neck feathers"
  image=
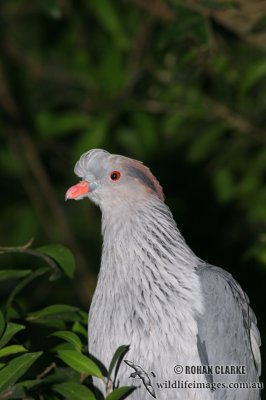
[
  {"x": 144, "y": 249},
  {"x": 148, "y": 231}
]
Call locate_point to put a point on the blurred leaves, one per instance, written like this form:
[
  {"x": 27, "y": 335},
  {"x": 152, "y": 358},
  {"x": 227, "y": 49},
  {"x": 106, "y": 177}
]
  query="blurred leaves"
[
  {"x": 50, "y": 125},
  {"x": 164, "y": 82},
  {"x": 258, "y": 252},
  {"x": 51, "y": 8},
  {"x": 93, "y": 137},
  {"x": 107, "y": 15},
  {"x": 260, "y": 25},
  {"x": 2, "y": 323},
  {"x": 253, "y": 76}
]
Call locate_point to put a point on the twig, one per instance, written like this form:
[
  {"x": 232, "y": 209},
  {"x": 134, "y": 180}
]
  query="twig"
[
  {"x": 46, "y": 371},
  {"x": 5, "y": 395},
  {"x": 109, "y": 386},
  {"x": 157, "y": 8},
  {"x": 238, "y": 21},
  {"x": 31, "y": 252},
  {"x": 235, "y": 120},
  {"x": 220, "y": 110},
  {"x": 24, "y": 246}
]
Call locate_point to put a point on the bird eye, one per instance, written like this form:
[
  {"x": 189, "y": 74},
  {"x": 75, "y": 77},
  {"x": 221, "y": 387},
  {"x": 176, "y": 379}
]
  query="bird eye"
[{"x": 115, "y": 175}]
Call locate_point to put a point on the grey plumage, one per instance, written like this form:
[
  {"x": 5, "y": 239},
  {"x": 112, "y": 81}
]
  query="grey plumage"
[{"x": 156, "y": 294}]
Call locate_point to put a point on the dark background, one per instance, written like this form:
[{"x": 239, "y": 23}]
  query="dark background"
[{"x": 180, "y": 85}]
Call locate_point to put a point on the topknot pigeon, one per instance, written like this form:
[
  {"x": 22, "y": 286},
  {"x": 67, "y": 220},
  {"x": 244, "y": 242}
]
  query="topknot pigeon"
[{"x": 187, "y": 321}]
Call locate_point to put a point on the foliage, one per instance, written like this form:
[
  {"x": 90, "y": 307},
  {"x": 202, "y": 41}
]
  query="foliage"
[
  {"x": 180, "y": 85},
  {"x": 40, "y": 374}
]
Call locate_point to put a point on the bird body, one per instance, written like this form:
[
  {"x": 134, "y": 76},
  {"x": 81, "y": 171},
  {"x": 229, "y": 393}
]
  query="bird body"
[{"x": 156, "y": 295}]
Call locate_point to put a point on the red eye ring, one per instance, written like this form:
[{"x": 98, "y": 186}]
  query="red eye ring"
[{"x": 115, "y": 175}]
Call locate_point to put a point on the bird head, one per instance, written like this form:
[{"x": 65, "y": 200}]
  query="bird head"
[{"x": 109, "y": 179}]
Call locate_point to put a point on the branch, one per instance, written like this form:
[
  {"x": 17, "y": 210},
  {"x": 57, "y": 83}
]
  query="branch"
[
  {"x": 220, "y": 110},
  {"x": 238, "y": 20},
  {"x": 157, "y": 8},
  {"x": 46, "y": 371},
  {"x": 236, "y": 120}
]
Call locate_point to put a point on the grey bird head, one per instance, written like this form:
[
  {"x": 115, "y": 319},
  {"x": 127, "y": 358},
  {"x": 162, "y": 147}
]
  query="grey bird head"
[{"x": 107, "y": 179}]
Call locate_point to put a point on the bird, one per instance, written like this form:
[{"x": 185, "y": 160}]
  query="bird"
[
  {"x": 141, "y": 374},
  {"x": 155, "y": 294}
]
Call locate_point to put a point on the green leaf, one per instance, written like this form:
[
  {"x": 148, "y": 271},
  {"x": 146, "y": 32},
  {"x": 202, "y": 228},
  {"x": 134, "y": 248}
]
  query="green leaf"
[
  {"x": 112, "y": 60},
  {"x": 224, "y": 185},
  {"x": 146, "y": 132},
  {"x": 62, "y": 256},
  {"x": 253, "y": 76},
  {"x": 58, "y": 324},
  {"x": 128, "y": 138},
  {"x": 13, "y": 349},
  {"x": 63, "y": 346},
  {"x": 13, "y": 273},
  {"x": 206, "y": 143},
  {"x": 83, "y": 316},
  {"x": 74, "y": 391},
  {"x": 106, "y": 13},
  {"x": 79, "y": 362},
  {"x": 63, "y": 374},
  {"x": 120, "y": 352},
  {"x": 93, "y": 137},
  {"x": 120, "y": 393},
  {"x": 51, "y": 8},
  {"x": 257, "y": 252},
  {"x": 60, "y": 311},
  {"x": 54, "y": 125},
  {"x": 10, "y": 331},
  {"x": 78, "y": 328},
  {"x": 2, "y": 323},
  {"x": 20, "y": 389},
  {"x": 70, "y": 337},
  {"x": 16, "y": 368}
]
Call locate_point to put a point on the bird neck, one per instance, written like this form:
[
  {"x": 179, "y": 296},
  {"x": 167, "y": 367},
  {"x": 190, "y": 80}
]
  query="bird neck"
[{"x": 143, "y": 238}]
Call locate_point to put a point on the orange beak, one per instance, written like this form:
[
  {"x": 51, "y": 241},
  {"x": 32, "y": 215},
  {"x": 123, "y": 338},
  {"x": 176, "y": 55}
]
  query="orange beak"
[{"x": 78, "y": 190}]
